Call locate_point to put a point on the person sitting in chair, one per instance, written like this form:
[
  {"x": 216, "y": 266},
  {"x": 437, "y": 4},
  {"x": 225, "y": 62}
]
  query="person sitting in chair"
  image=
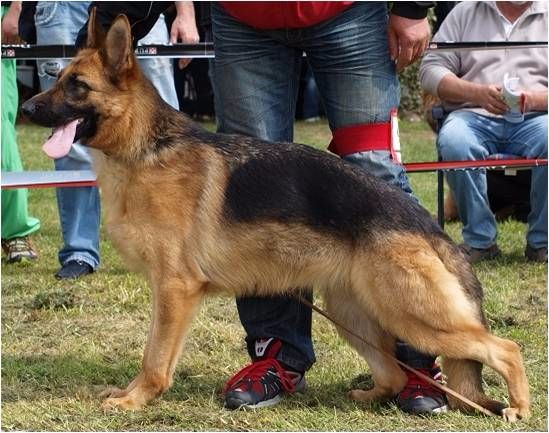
[{"x": 481, "y": 122}]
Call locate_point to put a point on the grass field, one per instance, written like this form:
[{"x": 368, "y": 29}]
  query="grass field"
[{"x": 63, "y": 342}]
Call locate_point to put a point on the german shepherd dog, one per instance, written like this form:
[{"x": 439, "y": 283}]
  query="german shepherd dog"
[{"x": 201, "y": 212}]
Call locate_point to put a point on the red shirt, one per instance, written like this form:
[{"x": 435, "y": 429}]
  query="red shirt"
[{"x": 282, "y": 14}]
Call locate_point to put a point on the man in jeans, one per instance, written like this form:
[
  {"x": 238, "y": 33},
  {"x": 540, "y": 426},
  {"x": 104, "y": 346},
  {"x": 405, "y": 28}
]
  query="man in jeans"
[
  {"x": 258, "y": 55},
  {"x": 79, "y": 208}
]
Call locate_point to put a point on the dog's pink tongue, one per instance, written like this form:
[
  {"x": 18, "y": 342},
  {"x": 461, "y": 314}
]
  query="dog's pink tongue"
[{"x": 59, "y": 144}]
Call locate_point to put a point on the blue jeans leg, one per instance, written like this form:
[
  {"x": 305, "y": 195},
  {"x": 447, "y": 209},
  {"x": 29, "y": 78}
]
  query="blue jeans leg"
[
  {"x": 529, "y": 139},
  {"x": 160, "y": 71},
  {"x": 79, "y": 208},
  {"x": 464, "y": 136},
  {"x": 349, "y": 56},
  {"x": 311, "y": 98},
  {"x": 255, "y": 88},
  {"x": 380, "y": 164},
  {"x": 284, "y": 318},
  {"x": 79, "y": 212},
  {"x": 256, "y": 78},
  {"x": 357, "y": 81}
]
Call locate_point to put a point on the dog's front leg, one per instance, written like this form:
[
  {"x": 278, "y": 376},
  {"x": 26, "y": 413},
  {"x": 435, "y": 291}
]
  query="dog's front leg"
[{"x": 175, "y": 302}]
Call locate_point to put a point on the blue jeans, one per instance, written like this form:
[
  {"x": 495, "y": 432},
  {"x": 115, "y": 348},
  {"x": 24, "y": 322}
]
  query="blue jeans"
[
  {"x": 466, "y": 135},
  {"x": 160, "y": 70},
  {"x": 311, "y": 98},
  {"x": 256, "y": 78},
  {"x": 79, "y": 208}
]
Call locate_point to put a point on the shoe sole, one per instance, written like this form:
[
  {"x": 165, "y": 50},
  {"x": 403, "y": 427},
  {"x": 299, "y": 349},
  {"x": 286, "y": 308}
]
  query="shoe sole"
[
  {"x": 71, "y": 277},
  {"x": 20, "y": 259},
  {"x": 441, "y": 409},
  {"x": 427, "y": 412},
  {"x": 236, "y": 405}
]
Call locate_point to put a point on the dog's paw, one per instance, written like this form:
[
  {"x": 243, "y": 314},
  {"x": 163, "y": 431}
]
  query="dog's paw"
[
  {"x": 513, "y": 414},
  {"x": 359, "y": 395},
  {"x": 125, "y": 403},
  {"x": 112, "y": 391}
]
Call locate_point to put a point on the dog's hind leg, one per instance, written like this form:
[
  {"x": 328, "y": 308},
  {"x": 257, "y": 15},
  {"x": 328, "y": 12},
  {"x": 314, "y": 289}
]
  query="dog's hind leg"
[
  {"x": 416, "y": 298},
  {"x": 388, "y": 378},
  {"x": 462, "y": 346},
  {"x": 175, "y": 303},
  {"x": 465, "y": 377}
]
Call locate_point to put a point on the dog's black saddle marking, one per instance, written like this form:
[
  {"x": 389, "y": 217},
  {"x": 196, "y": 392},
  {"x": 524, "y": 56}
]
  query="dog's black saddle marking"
[{"x": 294, "y": 183}]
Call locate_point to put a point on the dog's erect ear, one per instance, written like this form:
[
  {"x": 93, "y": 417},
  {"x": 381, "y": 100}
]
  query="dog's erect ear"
[
  {"x": 117, "y": 50},
  {"x": 95, "y": 32}
]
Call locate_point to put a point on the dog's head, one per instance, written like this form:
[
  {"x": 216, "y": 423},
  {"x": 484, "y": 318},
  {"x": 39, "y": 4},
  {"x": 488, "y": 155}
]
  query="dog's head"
[{"x": 91, "y": 93}]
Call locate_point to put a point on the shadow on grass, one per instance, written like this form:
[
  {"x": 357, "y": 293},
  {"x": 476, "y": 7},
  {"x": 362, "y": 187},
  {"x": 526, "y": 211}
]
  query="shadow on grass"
[{"x": 33, "y": 377}]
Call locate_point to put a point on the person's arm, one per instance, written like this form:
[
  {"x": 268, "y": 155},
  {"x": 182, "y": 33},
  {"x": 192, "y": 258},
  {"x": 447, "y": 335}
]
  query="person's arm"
[
  {"x": 184, "y": 27},
  {"x": 10, "y": 23},
  {"x": 535, "y": 101},
  {"x": 437, "y": 65},
  {"x": 456, "y": 90},
  {"x": 408, "y": 32}
]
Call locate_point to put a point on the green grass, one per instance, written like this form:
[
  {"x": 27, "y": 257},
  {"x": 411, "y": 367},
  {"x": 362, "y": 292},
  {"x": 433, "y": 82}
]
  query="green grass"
[{"x": 62, "y": 342}]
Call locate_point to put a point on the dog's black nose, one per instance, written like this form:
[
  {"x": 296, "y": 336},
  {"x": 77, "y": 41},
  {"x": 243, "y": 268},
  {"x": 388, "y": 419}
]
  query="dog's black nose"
[{"x": 30, "y": 107}]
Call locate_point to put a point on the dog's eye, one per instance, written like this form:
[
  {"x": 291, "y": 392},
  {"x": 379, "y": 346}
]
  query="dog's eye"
[{"x": 78, "y": 83}]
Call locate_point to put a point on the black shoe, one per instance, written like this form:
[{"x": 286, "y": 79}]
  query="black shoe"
[
  {"x": 420, "y": 397},
  {"x": 263, "y": 382},
  {"x": 73, "y": 269},
  {"x": 536, "y": 254},
  {"x": 474, "y": 255}
]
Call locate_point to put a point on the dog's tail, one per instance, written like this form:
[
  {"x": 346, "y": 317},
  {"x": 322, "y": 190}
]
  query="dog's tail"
[{"x": 464, "y": 377}]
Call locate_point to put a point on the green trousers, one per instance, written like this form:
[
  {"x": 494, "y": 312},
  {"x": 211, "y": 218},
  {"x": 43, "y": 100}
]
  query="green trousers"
[{"x": 15, "y": 219}]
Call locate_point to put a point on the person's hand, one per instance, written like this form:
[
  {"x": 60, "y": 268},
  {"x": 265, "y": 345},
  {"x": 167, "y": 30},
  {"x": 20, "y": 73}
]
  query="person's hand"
[
  {"x": 184, "y": 28},
  {"x": 408, "y": 39},
  {"x": 10, "y": 26},
  {"x": 488, "y": 96}
]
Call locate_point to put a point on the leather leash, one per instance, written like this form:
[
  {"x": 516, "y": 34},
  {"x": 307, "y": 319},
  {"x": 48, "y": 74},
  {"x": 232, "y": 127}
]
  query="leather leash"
[{"x": 402, "y": 364}]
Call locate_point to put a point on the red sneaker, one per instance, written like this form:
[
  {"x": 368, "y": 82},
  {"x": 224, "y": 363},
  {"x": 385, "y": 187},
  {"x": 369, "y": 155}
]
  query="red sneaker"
[
  {"x": 263, "y": 382},
  {"x": 420, "y": 397}
]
